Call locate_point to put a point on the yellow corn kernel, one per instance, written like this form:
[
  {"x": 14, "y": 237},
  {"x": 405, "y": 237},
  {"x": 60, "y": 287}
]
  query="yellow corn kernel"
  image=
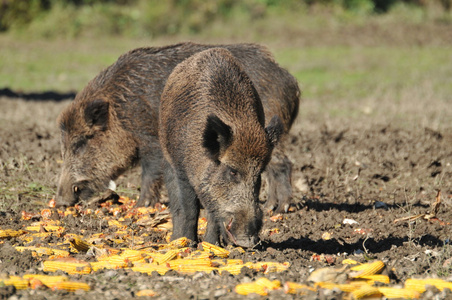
[
  {"x": 266, "y": 283},
  {"x": 71, "y": 286},
  {"x": 148, "y": 293},
  {"x": 68, "y": 267},
  {"x": 392, "y": 293},
  {"x": 171, "y": 254},
  {"x": 217, "y": 250},
  {"x": 17, "y": 282},
  {"x": 79, "y": 244},
  {"x": 249, "y": 288},
  {"x": 296, "y": 288},
  {"x": 149, "y": 268},
  {"x": 419, "y": 284},
  {"x": 9, "y": 233},
  {"x": 368, "y": 269},
  {"x": 365, "y": 291},
  {"x": 375, "y": 278},
  {"x": 349, "y": 261}
]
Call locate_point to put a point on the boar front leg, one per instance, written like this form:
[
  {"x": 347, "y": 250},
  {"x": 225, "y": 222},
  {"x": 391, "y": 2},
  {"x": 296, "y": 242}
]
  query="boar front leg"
[
  {"x": 279, "y": 177},
  {"x": 151, "y": 175},
  {"x": 213, "y": 230},
  {"x": 184, "y": 205}
]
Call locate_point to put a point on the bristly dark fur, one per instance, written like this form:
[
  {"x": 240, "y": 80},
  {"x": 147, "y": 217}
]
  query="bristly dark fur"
[{"x": 127, "y": 96}]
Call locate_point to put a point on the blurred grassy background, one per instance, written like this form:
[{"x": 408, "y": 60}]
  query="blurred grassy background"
[{"x": 353, "y": 58}]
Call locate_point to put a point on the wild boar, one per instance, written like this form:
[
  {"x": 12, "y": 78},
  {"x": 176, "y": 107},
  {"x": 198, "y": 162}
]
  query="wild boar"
[
  {"x": 213, "y": 136},
  {"x": 112, "y": 124}
]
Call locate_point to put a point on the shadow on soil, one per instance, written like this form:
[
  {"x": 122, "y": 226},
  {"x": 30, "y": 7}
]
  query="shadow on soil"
[
  {"x": 42, "y": 96},
  {"x": 352, "y": 207},
  {"x": 335, "y": 246}
]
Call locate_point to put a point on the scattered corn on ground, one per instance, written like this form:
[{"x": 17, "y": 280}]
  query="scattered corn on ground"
[
  {"x": 359, "y": 285},
  {"x": 132, "y": 252}
]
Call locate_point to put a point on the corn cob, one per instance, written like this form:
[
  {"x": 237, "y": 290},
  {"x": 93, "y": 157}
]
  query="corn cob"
[
  {"x": 116, "y": 261},
  {"x": 391, "y": 293},
  {"x": 148, "y": 293},
  {"x": 190, "y": 262},
  {"x": 200, "y": 254},
  {"x": 79, "y": 244},
  {"x": 179, "y": 243},
  {"x": 349, "y": 261},
  {"x": 270, "y": 267},
  {"x": 365, "y": 291},
  {"x": 133, "y": 255},
  {"x": 9, "y": 233},
  {"x": 368, "y": 269},
  {"x": 68, "y": 267},
  {"x": 266, "y": 283},
  {"x": 71, "y": 286},
  {"x": 189, "y": 269},
  {"x": 233, "y": 269},
  {"x": 217, "y": 250},
  {"x": 227, "y": 262},
  {"x": 419, "y": 284},
  {"x": 371, "y": 279},
  {"x": 326, "y": 285},
  {"x": 249, "y": 288},
  {"x": 296, "y": 288},
  {"x": 17, "y": 282},
  {"x": 47, "y": 280},
  {"x": 171, "y": 254},
  {"x": 149, "y": 268}
]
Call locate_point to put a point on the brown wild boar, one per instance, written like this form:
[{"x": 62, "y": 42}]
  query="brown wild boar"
[
  {"x": 212, "y": 133},
  {"x": 112, "y": 124}
]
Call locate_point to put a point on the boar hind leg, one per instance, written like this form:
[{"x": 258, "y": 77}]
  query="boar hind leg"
[
  {"x": 279, "y": 187},
  {"x": 184, "y": 205}
]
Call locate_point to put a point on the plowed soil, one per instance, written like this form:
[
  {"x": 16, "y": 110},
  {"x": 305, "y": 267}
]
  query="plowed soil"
[{"x": 370, "y": 172}]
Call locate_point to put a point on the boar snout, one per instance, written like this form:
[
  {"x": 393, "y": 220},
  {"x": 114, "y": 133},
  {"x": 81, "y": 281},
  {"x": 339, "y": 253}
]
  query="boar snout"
[{"x": 242, "y": 232}]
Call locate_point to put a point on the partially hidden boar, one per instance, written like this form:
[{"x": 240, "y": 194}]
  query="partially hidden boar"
[
  {"x": 112, "y": 124},
  {"x": 213, "y": 136}
]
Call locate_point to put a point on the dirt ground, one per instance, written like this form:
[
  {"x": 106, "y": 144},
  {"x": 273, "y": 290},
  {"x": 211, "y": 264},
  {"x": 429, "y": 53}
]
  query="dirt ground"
[{"x": 372, "y": 173}]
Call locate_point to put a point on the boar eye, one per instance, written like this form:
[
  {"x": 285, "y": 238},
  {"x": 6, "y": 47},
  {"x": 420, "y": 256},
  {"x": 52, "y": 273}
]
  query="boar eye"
[
  {"x": 232, "y": 174},
  {"x": 79, "y": 145}
]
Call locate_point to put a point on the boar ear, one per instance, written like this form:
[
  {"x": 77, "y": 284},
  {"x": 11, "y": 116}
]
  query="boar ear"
[
  {"x": 274, "y": 130},
  {"x": 217, "y": 136},
  {"x": 96, "y": 114}
]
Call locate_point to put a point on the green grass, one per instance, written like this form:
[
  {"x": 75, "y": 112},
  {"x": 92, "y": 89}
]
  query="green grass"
[{"x": 340, "y": 81}]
